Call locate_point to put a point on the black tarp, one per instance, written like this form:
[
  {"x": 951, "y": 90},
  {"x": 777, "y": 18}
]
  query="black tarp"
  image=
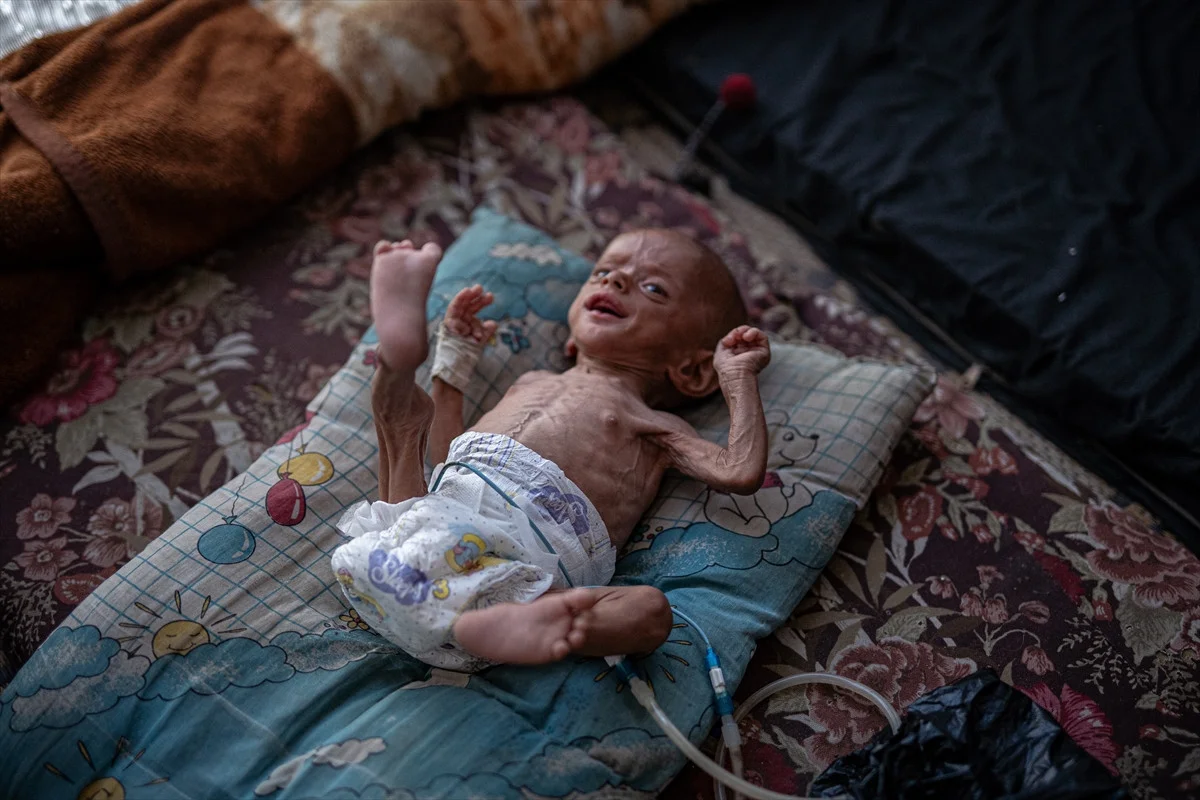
[
  {"x": 976, "y": 739},
  {"x": 1025, "y": 174}
]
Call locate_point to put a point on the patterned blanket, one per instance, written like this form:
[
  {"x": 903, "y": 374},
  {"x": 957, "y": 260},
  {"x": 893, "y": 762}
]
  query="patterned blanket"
[
  {"x": 983, "y": 547},
  {"x": 151, "y": 135}
]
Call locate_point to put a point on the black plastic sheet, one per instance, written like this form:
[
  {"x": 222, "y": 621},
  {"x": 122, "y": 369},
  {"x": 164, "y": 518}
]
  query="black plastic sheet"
[
  {"x": 977, "y": 738},
  {"x": 1018, "y": 176}
]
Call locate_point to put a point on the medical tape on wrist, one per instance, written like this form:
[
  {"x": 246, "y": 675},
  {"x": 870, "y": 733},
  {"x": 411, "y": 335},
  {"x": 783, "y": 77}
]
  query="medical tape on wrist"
[{"x": 455, "y": 358}]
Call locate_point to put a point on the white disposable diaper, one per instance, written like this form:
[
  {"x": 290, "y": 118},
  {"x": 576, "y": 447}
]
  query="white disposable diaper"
[{"x": 411, "y": 568}]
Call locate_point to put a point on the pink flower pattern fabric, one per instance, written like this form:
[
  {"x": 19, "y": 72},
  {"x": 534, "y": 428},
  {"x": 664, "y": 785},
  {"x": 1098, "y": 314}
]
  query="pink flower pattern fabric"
[
  {"x": 43, "y": 516},
  {"x": 983, "y": 546},
  {"x": 86, "y": 377}
]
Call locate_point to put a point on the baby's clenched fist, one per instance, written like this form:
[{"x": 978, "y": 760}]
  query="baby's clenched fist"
[{"x": 744, "y": 349}]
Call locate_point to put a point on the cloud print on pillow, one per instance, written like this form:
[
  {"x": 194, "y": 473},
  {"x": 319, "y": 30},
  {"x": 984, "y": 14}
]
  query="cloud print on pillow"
[
  {"x": 213, "y": 668},
  {"x": 807, "y": 537},
  {"x": 89, "y": 694}
]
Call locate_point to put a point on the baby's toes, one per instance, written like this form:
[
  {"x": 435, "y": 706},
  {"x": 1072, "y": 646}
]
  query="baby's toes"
[
  {"x": 577, "y": 636},
  {"x": 580, "y": 601}
]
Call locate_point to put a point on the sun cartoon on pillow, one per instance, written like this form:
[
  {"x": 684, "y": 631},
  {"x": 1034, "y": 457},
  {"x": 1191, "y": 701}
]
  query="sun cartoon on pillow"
[
  {"x": 782, "y": 494},
  {"x": 107, "y": 787},
  {"x": 176, "y": 631}
]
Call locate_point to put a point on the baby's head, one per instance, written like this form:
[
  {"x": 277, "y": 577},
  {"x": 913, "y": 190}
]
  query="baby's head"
[{"x": 658, "y": 302}]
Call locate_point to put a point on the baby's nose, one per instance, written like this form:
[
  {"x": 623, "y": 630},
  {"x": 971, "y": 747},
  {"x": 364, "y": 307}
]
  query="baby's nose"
[{"x": 617, "y": 279}]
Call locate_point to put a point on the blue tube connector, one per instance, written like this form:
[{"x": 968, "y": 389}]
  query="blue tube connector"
[{"x": 716, "y": 676}]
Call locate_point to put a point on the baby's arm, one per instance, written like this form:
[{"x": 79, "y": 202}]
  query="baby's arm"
[
  {"x": 460, "y": 341},
  {"x": 737, "y": 468}
]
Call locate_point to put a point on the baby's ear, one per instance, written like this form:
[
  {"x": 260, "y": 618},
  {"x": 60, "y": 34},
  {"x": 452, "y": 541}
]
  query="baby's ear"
[
  {"x": 695, "y": 377},
  {"x": 570, "y": 349}
]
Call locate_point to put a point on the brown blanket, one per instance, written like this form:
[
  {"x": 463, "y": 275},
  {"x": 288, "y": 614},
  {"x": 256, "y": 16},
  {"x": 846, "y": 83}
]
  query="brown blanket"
[{"x": 151, "y": 135}]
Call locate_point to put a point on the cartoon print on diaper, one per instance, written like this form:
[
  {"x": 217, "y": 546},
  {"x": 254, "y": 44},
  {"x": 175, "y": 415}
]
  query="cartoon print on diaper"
[
  {"x": 562, "y": 508},
  {"x": 347, "y": 581},
  {"x": 781, "y": 495},
  {"x": 470, "y": 553},
  {"x": 389, "y": 574}
]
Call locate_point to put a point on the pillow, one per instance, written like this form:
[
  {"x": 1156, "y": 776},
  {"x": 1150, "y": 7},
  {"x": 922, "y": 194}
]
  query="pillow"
[{"x": 223, "y": 661}]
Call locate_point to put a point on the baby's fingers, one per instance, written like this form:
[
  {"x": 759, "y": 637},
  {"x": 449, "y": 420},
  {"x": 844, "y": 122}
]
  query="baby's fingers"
[
  {"x": 460, "y": 305},
  {"x": 469, "y": 301},
  {"x": 735, "y": 336},
  {"x": 483, "y": 300},
  {"x": 487, "y": 330},
  {"x": 457, "y": 326},
  {"x": 384, "y": 245}
]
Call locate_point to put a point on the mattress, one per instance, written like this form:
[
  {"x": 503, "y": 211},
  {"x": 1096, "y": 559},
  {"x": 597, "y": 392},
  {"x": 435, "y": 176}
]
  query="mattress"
[
  {"x": 984, "y": 546},
  {"x": 1015, "y": 183}
]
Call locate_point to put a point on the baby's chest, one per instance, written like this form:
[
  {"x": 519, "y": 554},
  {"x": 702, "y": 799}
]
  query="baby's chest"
[{"x": 589, "y": 413}]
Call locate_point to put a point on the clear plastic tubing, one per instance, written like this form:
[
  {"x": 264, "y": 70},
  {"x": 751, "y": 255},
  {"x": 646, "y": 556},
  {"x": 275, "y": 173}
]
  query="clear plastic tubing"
[
  {"x": 723, "y": 777},
  {"x": 885, "y": 708}
]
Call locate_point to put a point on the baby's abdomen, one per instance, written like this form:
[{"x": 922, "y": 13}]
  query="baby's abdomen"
[{"x": 614, "y": 467}]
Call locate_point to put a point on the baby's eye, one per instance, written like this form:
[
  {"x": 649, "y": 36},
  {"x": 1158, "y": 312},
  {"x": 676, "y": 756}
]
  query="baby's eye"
[
  {"x": 654, "y": 288},
  {"x": 600, "y": 272}
]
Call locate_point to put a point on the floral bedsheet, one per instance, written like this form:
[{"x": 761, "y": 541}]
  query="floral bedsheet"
[{"x": 983, "y": 546}]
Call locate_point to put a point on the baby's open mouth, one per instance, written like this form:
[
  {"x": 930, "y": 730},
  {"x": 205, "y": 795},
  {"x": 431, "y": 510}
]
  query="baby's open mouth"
[{"x": 605, "y": 305}]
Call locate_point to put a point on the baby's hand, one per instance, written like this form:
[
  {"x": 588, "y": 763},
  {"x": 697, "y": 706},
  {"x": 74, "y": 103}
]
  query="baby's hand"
[
  {"x": 743, "y": 350},
  {"x": 461, "y": 319}
]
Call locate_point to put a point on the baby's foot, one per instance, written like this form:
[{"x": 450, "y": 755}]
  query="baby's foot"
[
  {"x": 548, "y": 629},
  {"x": 400, "y": 281}
]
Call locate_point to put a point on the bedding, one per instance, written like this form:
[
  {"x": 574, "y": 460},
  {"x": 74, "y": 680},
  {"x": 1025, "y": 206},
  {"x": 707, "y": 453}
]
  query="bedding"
[
  {"x": 222, "y": 631},
  {"x": 982, "y": 547},
  {"x": 151, "y": 135},
  {"x": 21, "y": 23},
  {"x": 1015, "y": 178}
]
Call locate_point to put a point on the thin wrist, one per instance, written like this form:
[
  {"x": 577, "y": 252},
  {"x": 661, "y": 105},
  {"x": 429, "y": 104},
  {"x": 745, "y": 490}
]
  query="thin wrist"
[{"x": 731, "y": 377}]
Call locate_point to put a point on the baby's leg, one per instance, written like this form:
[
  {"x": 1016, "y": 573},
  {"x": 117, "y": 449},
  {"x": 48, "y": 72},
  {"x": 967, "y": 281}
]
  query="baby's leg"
[
  {"x": 400, "y": 281},
  {"x": 604, "y": 621}
]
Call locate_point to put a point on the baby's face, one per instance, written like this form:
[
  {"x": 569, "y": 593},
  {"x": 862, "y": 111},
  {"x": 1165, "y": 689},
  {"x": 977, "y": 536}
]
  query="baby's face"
[{"x": 650, "y": 296}]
